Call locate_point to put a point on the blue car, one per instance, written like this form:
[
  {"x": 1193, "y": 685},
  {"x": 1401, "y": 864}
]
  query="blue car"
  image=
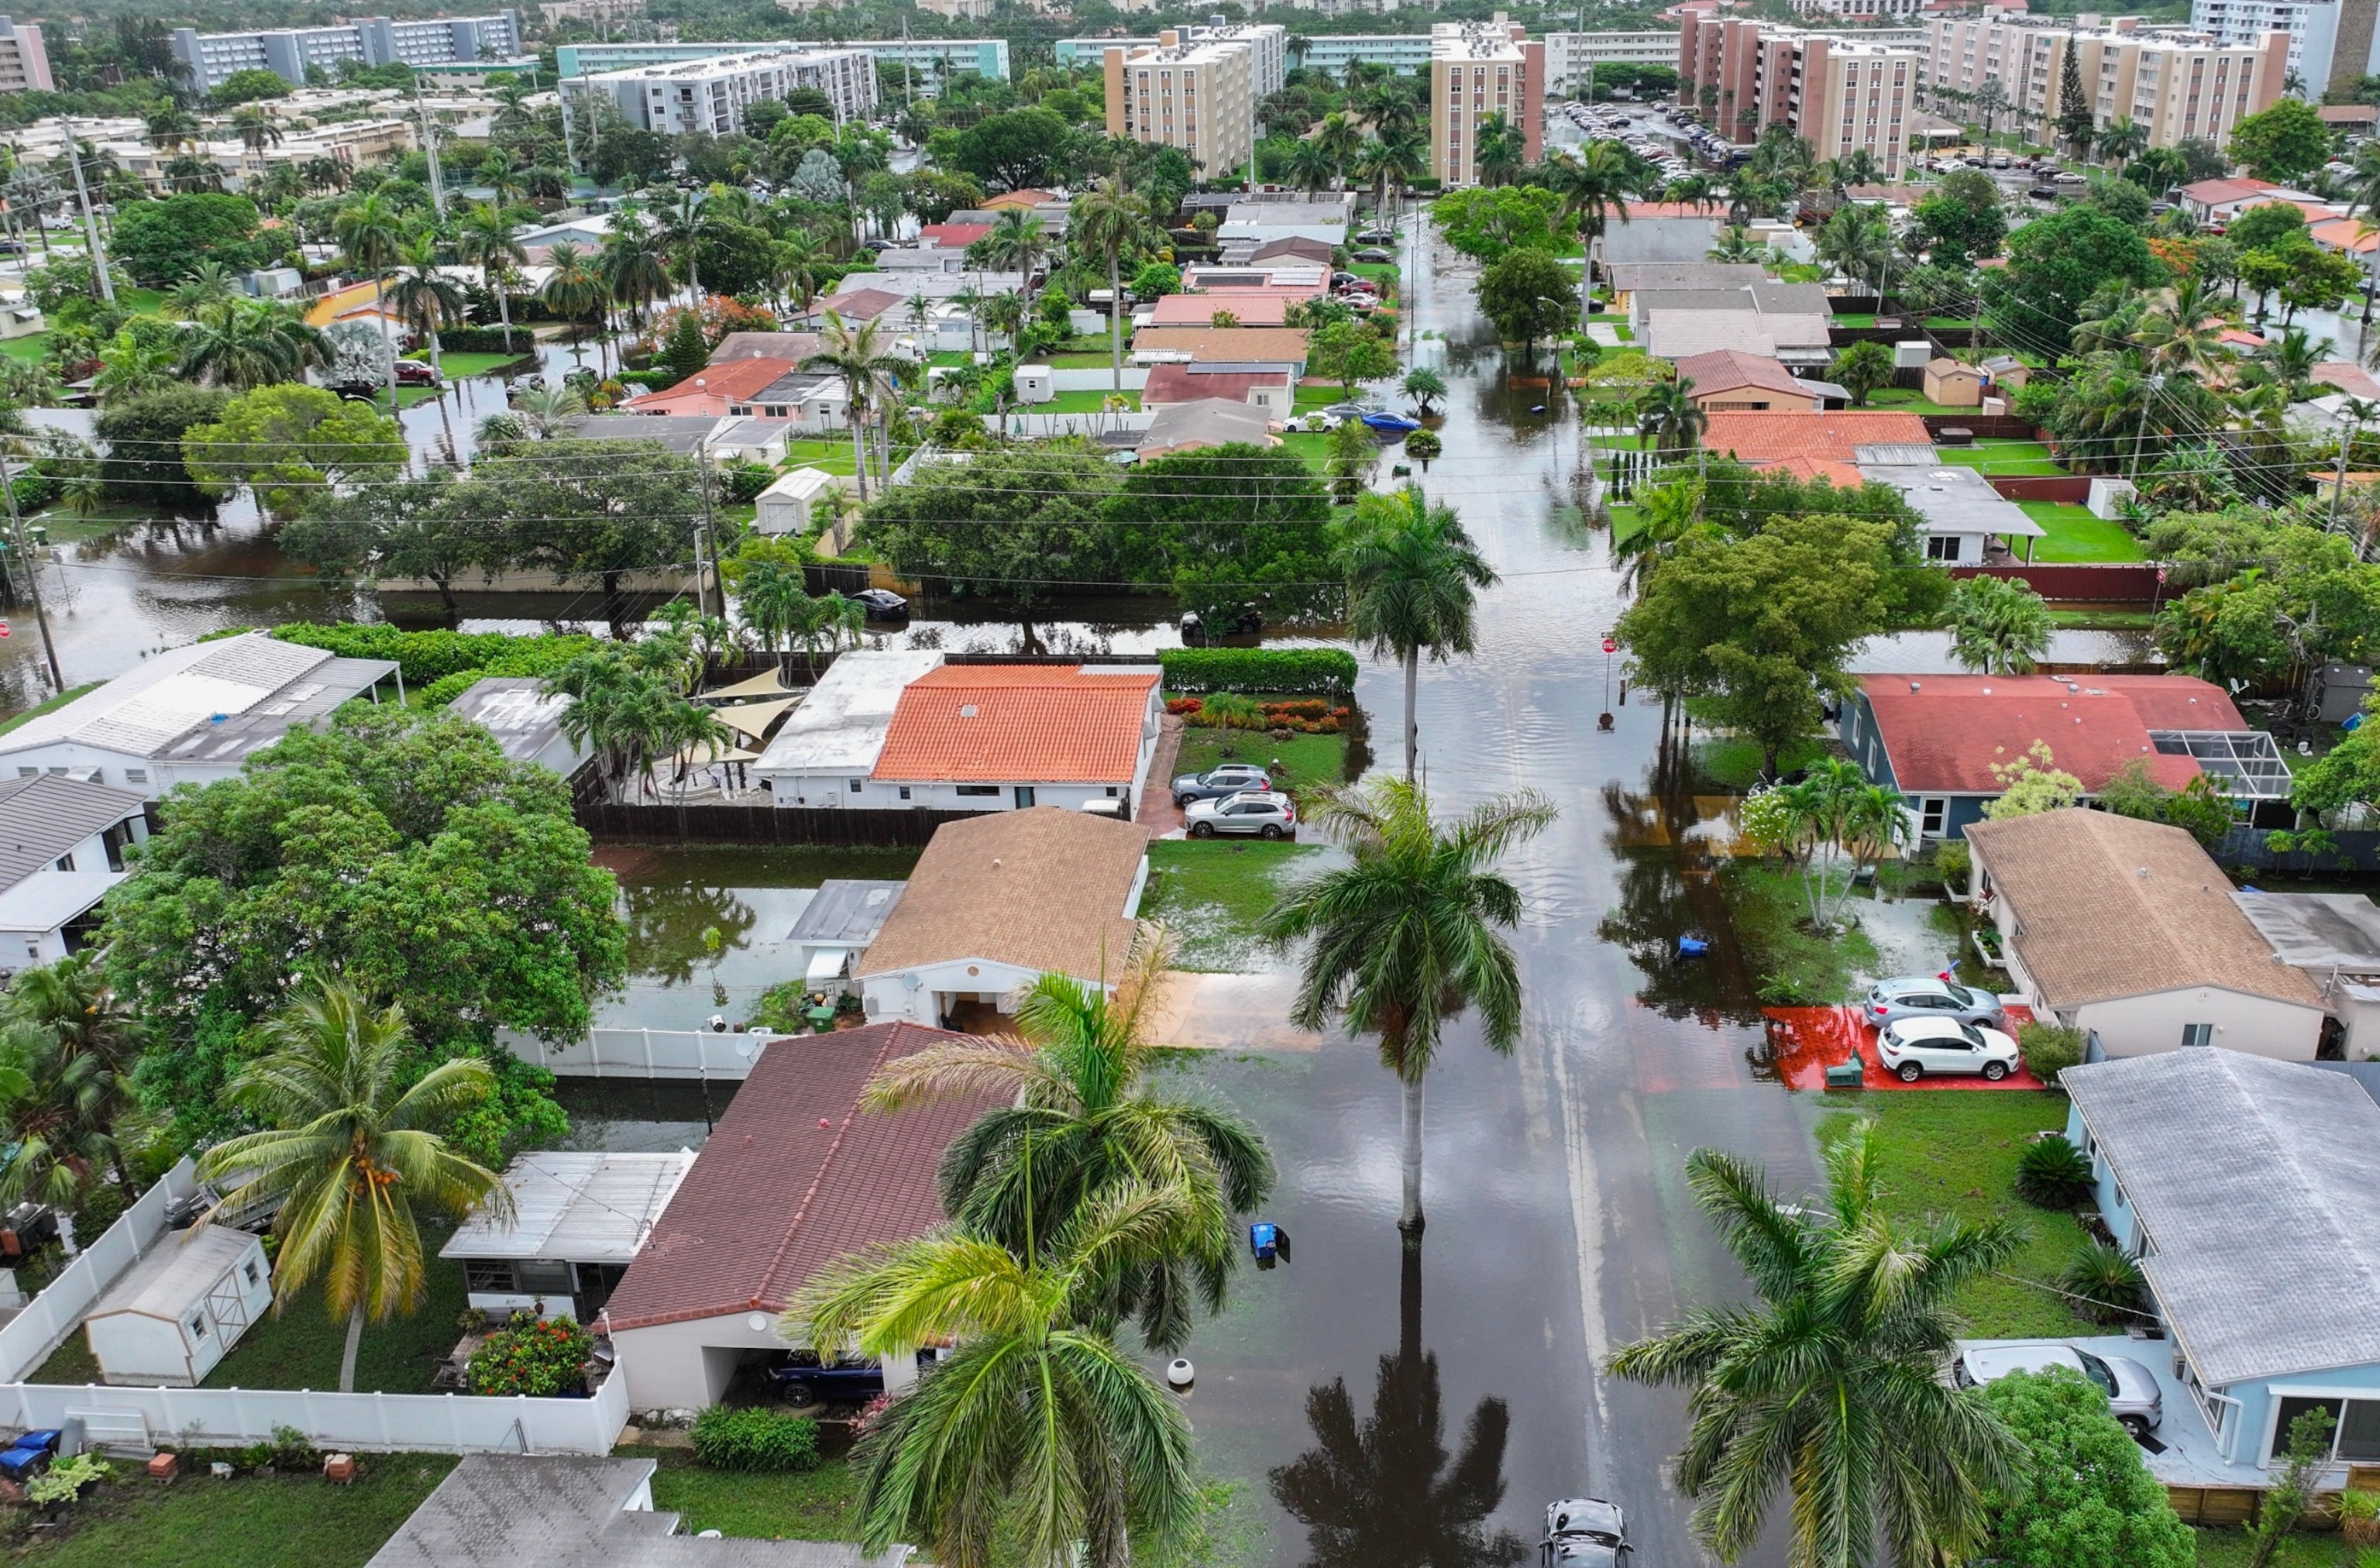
[
  {"x": 844, "y": 1382},
  {"x": 1392, "y": 424}
]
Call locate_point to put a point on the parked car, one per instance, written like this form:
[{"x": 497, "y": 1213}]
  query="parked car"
[
  {"x": 1926, "y": 996},
  {"x": 1911, "y": 1047},
  {"x": 1264, "y": 813},
  {"x": 1227, "y": 778},
  {"x": 413, "y": 372},
  {"x": 1373, "y": 253},
  {"x": 2131, "y": 1389},
  {"x": 1377, "y": 236},
  {"x": 1585, "y": 1532},
  {"x": 844, "y": 1382},
  {"x": 881, "y": 602},
  {"x": 1392, "y": 424}
]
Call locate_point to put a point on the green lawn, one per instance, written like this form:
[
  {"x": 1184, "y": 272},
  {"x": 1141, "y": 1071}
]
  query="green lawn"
[
  {"x": 30, "y": 348},
  {"x": 58, "y": 701},
  {"x": 1906, "y": 400},
  {"x": 1955, "y": 1153},
  {"x": 300, "y": 1348},
  {"x": 1382, "y": 273},
  {"x": 1311, "y": 445},
  {"x": 2105, "y": 620},
  {"x": 1306, "y": 761},
  {"x": 2228, "y": 1546},
  {"x": 2076, "y": 535},
  {"x": 248, "y": 1522},
  {"x": 2005, "y": 459},
  {"x": 808, "y": 1505},
  {"x": 460, "y": 365},
  {"x": 1310, "y": 399},
  {"x": 834, "y": 457},
  {"x": 1089, "y": 401},
  {"x": 1211, "y": 893},
  {"x": 1769, "y": 912}
]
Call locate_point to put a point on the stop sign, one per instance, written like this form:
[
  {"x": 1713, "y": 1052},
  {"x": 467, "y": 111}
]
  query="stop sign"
[
  {"x": 4, "y": 629},
  {"x": 1610, "y": 645}
]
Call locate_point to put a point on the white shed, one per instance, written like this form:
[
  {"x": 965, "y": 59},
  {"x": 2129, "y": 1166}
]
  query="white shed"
[
  {"x": 173, "y": 1315},
  {"x": 792, "y": 504}
]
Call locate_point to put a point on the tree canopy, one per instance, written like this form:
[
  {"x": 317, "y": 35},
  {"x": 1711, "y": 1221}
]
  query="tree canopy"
[
  {"x": 290, "y": 443},
  {"x": 2087, "y": 1501},
  {"x": 162, "y": 242},
  {"x": 1486, "y": 220}
]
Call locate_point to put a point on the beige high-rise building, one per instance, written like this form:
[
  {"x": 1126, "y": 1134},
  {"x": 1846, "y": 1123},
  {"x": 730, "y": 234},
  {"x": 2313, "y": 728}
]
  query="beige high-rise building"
[
  {"x": 1477, "y": 69},
  {"x": 2175, "y": 82},
  {"x": 1841, "y": 91},
  {"x": 24, "y": 63},
  {"x": 1195, "y": 88}
]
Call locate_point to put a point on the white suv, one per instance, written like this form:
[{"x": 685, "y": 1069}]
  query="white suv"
[
  {"x": 1266, "y": 813},
  {"x": 1911, "y": 1047}
]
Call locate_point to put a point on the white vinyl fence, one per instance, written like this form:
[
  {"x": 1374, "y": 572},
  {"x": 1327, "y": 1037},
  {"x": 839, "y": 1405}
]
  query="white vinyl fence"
[
  {"x": 689, "y": 1054},
  {"x": 142, "y": 1417},
  {"x": 1042, "y": 427}
]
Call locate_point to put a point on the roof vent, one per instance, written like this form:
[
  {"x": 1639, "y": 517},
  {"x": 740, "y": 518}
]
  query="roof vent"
[
  {"x": 1987, "y": 691},
  {"x": 2145, "y": 871},
  {"x": 1913, "y": 685}
]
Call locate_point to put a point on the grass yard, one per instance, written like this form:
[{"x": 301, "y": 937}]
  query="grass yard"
[
  {"x": 1382, "y": 273},
  {"x": 832, "y": 455},
  {"x": 1767, "y": 909},
  {"x": 248, "y": 1522},
  {"x": 1089, "y": 401},
  {"x": 2075, "y": 535},
  {"x": 808, "y": 1505},
  {"x": 58, "y": 701},
  {"x": 1311, "y": 399},
  {"x": 300, "y": 1348},
  {"x": 1211, "y": 893},
  {"x": 2228, "y": 1546},
  {"x": 2005, "y": 459},
  {"x": 1733, "y": 763},
  {"x": 1953, "y": 1152},
  {"x": 1904, "y": 400},
  {"x": 1314, "y": 446},
  {"x": 2104, "y": 621},
  {"x": 460, "y": 365},
  {"x": 30, "y": 348},
  {"x": 1306, "y": 761}
]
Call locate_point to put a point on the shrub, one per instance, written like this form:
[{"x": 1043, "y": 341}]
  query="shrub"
[
  {"x": 486, "y": 340},
  {"x": 2053, "y": 1174},
  {"x": 745, "y": 481},
  {"x": 63, "y": 1481},
  {"x": 2049, "y": 1050},
  {"x": 1953, "y": 861},
  {"x": 447, "y": 688},
  {"x": 2109, "y": 1283},
  {"x": 430, "y": 656},
  {"x": 532, "y": 1358},
  {"x": 1230, "y": 711},
  {"x": 755, "y": 1438},
  {"x": 2358, "y": 1516},
  {"x": 1323, "y": 671}
]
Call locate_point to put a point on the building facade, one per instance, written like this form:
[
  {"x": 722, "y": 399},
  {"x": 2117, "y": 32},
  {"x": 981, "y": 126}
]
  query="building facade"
[
  {"x": 931, "y": 59},
  {"x": 594, "y": 13},
  {"x": 2175, "y": 82},
  {"x": 374, "y": 40},
  {"x": 1571, "y": 57},
  {"x": 1196, "y": 89},
  {"x": 711, "y": 95},
  {"x": 1844, "y": 91},
  {"x": 1858, "y": 10},
  {"x": 1406, "y": 54},
  {"x": 24, "y": 63},
  {"x": 1477, "y": 69},
  {"x": 2317, "y": 30}
]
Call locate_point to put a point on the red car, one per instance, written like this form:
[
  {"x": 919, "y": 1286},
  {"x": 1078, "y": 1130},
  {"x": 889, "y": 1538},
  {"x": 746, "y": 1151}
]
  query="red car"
[{"x": 413, "y": 372}]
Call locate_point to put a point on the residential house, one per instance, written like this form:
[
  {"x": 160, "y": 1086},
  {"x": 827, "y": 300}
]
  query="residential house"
[
  {"x": 2334, "y": 940},
  {"x": 1627, "y": 278},
  {"x": 796, "y": 1175},
  {"x": 1954, "y": 385},
  {"x": 2126, "y": 929},
  {"x": 1761, "y": 295},
  {"x": 1271, "y": 389},
  {"x": 997, "y": 902},
  {"x": 1248, "y": 307},
  {"x": 1230, "y": 346},
  {"x": 2242, "y": 1188},
  {"x": 20, "y": 317},
  {"x": 1207, "y": 422},
  {"x": 1962, "y": 513},
  {"x": 750, "y": 438},
  {"x": 1656, "y": 231},
  {"x": 1936, "y": 738},
  {"x": 1731, "y": 378},
  {"x": 525, "y": 718},
  {"x": 1256, "y": 221},
  {"x": 190, "y": 715},
  {"x": 1809, "y": 445},
  {"x": 827, "y": 749},
  {"x": 995, "y": 737},
  {"x": 951, "y": 235},
  {"x": 688, "y": 436},
  {"x": 1289, "y": 282},
  {"x": 571, "y": 1225},
  {"x": 1787, "y": 321},
  {"x": 798, "y": 502},
  {"x": 2220, "y": 201},
  {"x": 1293, "y": 250},
  {"x": 62, "y": 844},
  {"x": 835, "y": 927},
  {"x": 755, "y": 386},
  {"x": 1024, "y": 198},
  {"x": 792, "y": 348}
]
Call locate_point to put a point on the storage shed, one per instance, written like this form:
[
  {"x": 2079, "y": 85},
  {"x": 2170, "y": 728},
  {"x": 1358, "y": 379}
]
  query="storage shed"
[
  {"x": 1952, "y": 384},
  {"x": 173, "y": 1315},
  {"x": 794, "y": 504}
]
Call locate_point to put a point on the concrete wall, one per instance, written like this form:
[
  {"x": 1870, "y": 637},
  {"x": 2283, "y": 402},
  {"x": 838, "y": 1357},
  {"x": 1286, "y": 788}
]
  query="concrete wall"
[
  {"x": 2140, "y": 1025},
  {"x": 687, "y": 1366}
]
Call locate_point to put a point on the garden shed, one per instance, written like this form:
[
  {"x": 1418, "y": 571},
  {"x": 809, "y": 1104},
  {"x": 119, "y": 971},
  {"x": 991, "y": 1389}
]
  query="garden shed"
[{"x": 173, "y": 1315}]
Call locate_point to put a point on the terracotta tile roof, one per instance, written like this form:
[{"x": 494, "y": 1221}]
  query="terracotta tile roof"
[
  {"x": 735, "y": 381},
  {"x": 1042, "y": 889},
  {"x": 860, "y": 304},
  {"x": 1241, "y": 344},
  {"x": 1017, "y": 724},
  {"x": 2211, "y": 191},
  {"x": 775, "y": 1195},
  {"x": 1767, "y": 436},
  {"x": 2111, "y": 906},
  {"x": 1252, "y": 306},
  {"x": 2347, "y": 376},
  {"x": 1726, "y": 369},
  {"x": 953, "y": 237},
  {"x": 1842, "y": 476},
  {"x": 1172, "y": 383},
  {"x": 1023, "y": 196},
  {"x": 1945, "y": 736},
  {"x": 2345, "y": 233}
]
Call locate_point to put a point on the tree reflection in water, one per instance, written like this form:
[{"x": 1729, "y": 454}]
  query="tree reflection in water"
[
  {"x": 1379, "y": 1492},
  {"x": 666, "y": 923}
]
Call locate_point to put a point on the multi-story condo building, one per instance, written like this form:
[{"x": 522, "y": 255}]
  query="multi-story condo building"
[
  {"x": 1196, "y": 89},
  {"x": 24, "y": 64},
  {"x": 2174, "y": 82},
  {"x": 1858, "y": 10},
  {"x": 2330, "y": 41},
  {"x": 1477, "y": 69},
  {"x": 931, "y": 59},
  {"x": 962, "y": 10},
  {"x": 1843, "y": 91},
  {"x": 594, "y": 13},
  {"x": 1403, "y": 52},
  {"x": 711, "y": 95},
  {"x": 1571, "y": 57},
  {"x": 374, "y": 40}
]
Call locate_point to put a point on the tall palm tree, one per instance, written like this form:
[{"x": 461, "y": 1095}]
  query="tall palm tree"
[
  {"x": 1016, "y": 241},
  {"x": 1826, "y": 1384},
  {"x": 633, "y": 272},
  {"x": 573, "y": 288},
  {"x": 1311, "y": 167},
  {"x": 352, "y": 1154},
  {"x": 1389, "y": 162},
  {"x": 1667, "y": 514},
  {"x": 1410, "y": 932},
  {"x": 1106, "y": 221},
  {"x": 1411, "y": 574},
  {"x": 131, "y": 368},
  {"x": 372, "y": 232},
  {"x": 2121, "y": 140},
  {"x": 772, "y": 600},
  {"x": 424, "y": 296},
  {"x": 255, "y": 128},
  {"x": 862, "y": 358},
  {"x": 796, "y": 262},
  {"x": 1081, "y": 1117},
  {"x": 210, "y": 288},
  {"x": 248, "y": 344},
  {"x": 1593, "y": 186},
  {"x": 1038, "y": 1441},
  {"x": 1668, "y": 416},
  {"x": 72, "y": 998},
  {"x": 1998, "y": 625},
  {"x": 1339, "y": 136},
  {"x": 1500, "y": 150},
  {"x": 58, "y": 1105},
  {"x": 487, "y": 237}
]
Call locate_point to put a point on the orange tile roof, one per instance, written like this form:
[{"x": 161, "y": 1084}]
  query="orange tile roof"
[
  {"x": 2347, "y": 234},
  {"x": 1842, "y": 476},
  {"x": 1773, "y": 435},
  {"x": 1284, "y": 345},
  {"x": 1017, "y": 724}
]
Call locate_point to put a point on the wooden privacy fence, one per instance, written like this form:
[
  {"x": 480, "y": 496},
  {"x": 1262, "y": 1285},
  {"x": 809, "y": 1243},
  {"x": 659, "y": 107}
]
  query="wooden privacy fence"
[
  {"x": 2116, "y": 583},
  {"x": 2072, "y": 489},
  {"x": 1982, "y": 426},
  {"x": 613, "y": 822}
]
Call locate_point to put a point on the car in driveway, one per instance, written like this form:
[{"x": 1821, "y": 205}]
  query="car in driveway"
[
  {"x": 841, "y": 1382},
  {"x": 1254, "y": 813},
  {"x": 1585, "y": 1532},
  {"x": 2131, "y": 1389},
  {"x": 881, "y": 603},
  {"x": 1225, "y": 778},
  {"x": 1928, "y": 996},
  {"x": 1913, "y": 1048}
]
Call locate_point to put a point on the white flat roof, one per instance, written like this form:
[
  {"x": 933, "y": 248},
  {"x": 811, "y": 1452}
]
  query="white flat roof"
[
  {"x": 47, "y": 900},
  {"x": 177, "y": 1273},
  {"x": 840, "y": 726},
  {"x": 574, "y": 1207}
]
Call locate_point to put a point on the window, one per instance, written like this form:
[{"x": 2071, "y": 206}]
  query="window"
[
  {"x": 491, "y": 1276},
  {"x": 1941, "y": 547},
  {"x": 905, "y": 792},
  {"x": 2356, "y": 1437},
  {"x": 249, "y": 1270},
  {"x": 135, "y": 775},
  {"x": 1023, "y": 797},
  {"x": 2197, "y": 1034},
  {"x": 198, "y": 1325},
  {"x": 1930, "y": 814},
  {"x": 991, "y": 791},
  {"x": 1112, "y": 792},
  {"x": 854, "y": 787}
]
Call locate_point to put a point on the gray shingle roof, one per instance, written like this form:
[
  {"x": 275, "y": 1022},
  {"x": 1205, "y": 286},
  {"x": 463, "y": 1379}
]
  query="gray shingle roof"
[
  {"x": 42, "y": 817},
  {"x": 2253, "y": 1181}
]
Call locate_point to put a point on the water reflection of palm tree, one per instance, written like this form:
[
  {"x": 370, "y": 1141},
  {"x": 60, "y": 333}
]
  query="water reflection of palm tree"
[
  {"x": 1384, "y": 1489},
  {"x": 667, "y": 925}
]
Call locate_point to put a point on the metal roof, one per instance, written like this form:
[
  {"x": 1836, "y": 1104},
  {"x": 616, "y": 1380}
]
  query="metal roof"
[
  {"x": 230, "y": 738},
  {"x": 2317, "y": 931},
  {"x": 2252, "y": 1179},
  {"x": 574, "y": 1207},
  {"x": 517, "y": 711},
  {"x": 1950, "y": 498},
  {"x": 846, "y": 910},
  {"x": 48, "y": 899},
  {"x": 174, "y": 704},
  {"x": 841, "y": 726},
  {"x": 43, "y": 817},
  {"x": 177, "y": 1274}
]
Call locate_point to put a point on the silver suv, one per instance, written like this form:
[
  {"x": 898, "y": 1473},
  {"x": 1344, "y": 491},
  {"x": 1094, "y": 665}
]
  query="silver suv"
[
  {"x": 1924, "y": 996},
  {"x": 2131, "y": 1389},
  {"x": 1263, "y": 813},
  {"x": 1228, "y": 778}
]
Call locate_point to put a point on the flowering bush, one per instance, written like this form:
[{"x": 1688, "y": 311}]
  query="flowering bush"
[{"x": 532, "y": 1358}]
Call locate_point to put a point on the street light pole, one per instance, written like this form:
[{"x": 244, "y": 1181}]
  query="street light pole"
[
  {"x": 90, "y": 222},
  {"x": 32, "y": 570}
]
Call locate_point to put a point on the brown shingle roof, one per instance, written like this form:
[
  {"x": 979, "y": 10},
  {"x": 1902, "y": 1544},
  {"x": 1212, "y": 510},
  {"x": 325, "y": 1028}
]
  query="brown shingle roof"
[
  {"x": 1017, "y": 724},
  {"x": 2091, "y": 927},
  {"x": 1729, "y": 370},
  {"x": 1041, "y": 889},
  {"x": 796, "y": 1176}
]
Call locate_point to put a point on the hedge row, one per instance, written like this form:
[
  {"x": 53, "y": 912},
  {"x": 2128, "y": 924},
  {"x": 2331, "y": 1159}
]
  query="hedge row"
[
  {"x": 486, "y": 340},
  {"x": 1318, "y": 670},
  {"x": 436, "y": 657}
]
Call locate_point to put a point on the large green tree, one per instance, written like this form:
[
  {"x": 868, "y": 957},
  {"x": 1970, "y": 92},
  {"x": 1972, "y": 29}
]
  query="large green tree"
[
  {"x": 1247, "y": 531},
  {"x": 591, "y": 511},
  {"x": 398, "y": 847},
  {"x": 140, "y": 440},
  {"x": 2285, "y": 143},
  {"x": 1529, "y": 296},
  {"x": 291, "y": 444},
  {"x": 2055, "y": 262},
  {"x": 1484, "y": 222},
  {"x": 1014, "y": 150},
  {"x": 162, "y": 242},
  {"x": 1963, "y": 222},
  {"x": 2085, "y": 1498},
  {"x": 425, "y": 528}
]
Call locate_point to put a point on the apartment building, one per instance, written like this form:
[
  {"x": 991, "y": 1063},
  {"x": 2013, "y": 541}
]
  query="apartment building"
[
  {"x": 373, "y": 40},
  {"x": 930, "y": 58},
  {"x": 1860, "y": 10},
  {"x": 1406, "y": 54},
  {"x": 2176, "y": 82},
  {"x": 2330, "y": 41},
  {"x": 711, "y": 95},
  {"x": 1477, "y": 69},
  {"x": 594, "y": 13},
  {"x": 1571, "y": 57},
  {"x": 1196, "y": 89},
  {"x": 958, "y": 10},
  {"x": 1844, "y": 91},
  {"x": 24, "y": 64}
]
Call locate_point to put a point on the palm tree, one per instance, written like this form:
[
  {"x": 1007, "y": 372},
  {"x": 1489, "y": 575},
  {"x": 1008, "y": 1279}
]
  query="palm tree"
[
  {"x": 2122, "y": 139},
  {"x": 425, "y": 296},
  {"x": 210, "y": 286},
  {"x": 1424, "y": 386},
  {"x": 1833, "y": 814},
  {"x": 170, "y": 128},
  {"x": 1390, "y": 162},
  {"x": 248, "y": 344},
  {"x": 372, "y": 232},
  {"x": 131, "y": 368},
  {"x": 1499, "y": 151},
  {"x": 1411, "y": 574},
  {"x": 1311, "y": 167},
  {"x": 1826, "y": 1384},
  {"x": 861, "y": 357},
  {"x": 72, "y": 998},
  {"x": 1038, "y": 1441},
  {"x": 633, "y": 270},
  {"x": 796, "y": 262},
  {"x": 1666, "y": 514},
  {"x": 1106, "y": 221},
  {"x": 772, "y": 600},
  {"x": 1998, "y": 626},
  {"x": 255, "y": 128},
  {"x": 1409, "y": 933},
  {"x": 57, "y": 1106},
  {"x": 1668, "y": 416},
  {"x": 485, "y": 236},
  {"x": 1339, "y": 137},
  {"x": 1593, "y": 186},
  {"x": 1076, "y": 1094},
  {"x": 572, "y": 288},
  {"x": 1736, "y": 244},
  {"x": 351, "y": 1154}
]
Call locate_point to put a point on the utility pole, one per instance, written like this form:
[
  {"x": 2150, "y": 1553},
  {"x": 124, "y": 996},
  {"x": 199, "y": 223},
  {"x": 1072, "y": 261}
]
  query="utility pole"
[
  {"x": 429, "y": 146},
  {"x": 561, "y": 97},
  {"x": 711, "y": 540},
  {"x": 90, "y": 222},
  {"x": 32, "y": 570}
]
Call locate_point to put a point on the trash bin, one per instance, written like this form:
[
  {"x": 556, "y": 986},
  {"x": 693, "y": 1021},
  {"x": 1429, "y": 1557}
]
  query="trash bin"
[{"x": 1847, "y": 1075}]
